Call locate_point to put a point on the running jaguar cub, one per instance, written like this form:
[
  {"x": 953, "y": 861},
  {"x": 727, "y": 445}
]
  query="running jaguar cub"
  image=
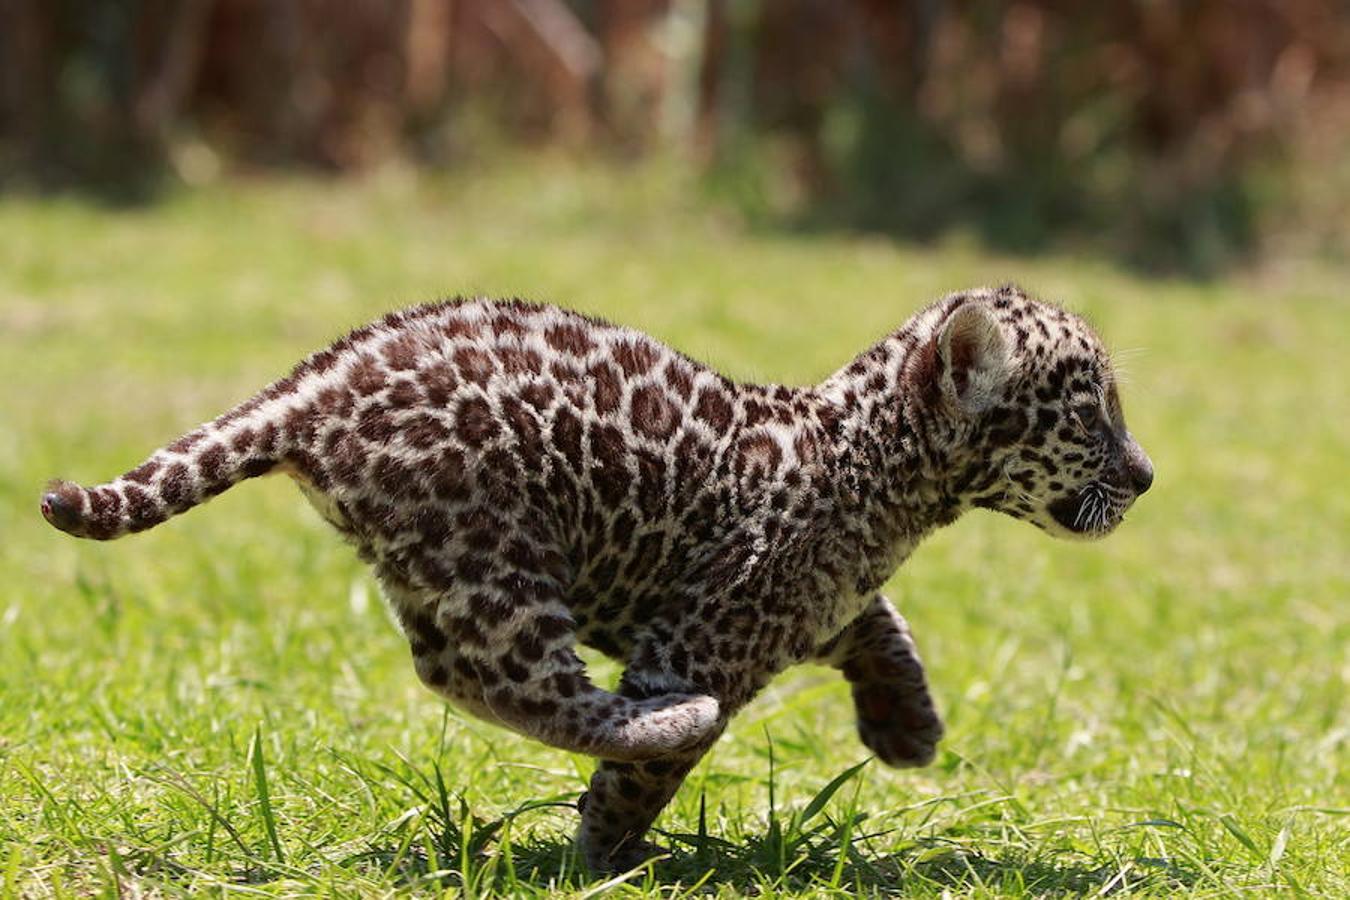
[{"x": 523, "y": 478}]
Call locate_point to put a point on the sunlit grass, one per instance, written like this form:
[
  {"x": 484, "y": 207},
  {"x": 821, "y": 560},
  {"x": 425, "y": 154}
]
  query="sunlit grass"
[{"x": 220, "y": 705}]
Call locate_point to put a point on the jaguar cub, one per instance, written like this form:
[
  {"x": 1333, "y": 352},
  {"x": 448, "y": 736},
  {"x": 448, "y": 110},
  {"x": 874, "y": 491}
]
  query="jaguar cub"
[{"x": 523, "y": 478}]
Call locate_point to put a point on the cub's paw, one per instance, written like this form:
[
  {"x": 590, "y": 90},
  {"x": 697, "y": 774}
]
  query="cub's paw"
[
  {"x": 903, "y": 730},
  {"x": 664, "y": 725},
  {"x": 626, "y": 856}
]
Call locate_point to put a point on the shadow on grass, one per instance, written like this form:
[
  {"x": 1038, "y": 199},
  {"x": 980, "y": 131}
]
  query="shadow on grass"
[
  {"x": 438, "y": 843},
  {"x": 485, "y": 858},
  {"x": 548, "y": 863},
  {"x": 934, "y": 864},
  {"x": 806, "y": 848}
]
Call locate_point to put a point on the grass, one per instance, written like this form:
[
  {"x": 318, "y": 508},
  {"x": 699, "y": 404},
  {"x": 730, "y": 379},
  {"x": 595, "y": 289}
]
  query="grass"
[{"x": 220, "y": 706}]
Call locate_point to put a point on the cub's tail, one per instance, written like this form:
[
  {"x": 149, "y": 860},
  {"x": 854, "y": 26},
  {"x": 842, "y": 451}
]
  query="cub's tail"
[{"x": 247, "y": 441}]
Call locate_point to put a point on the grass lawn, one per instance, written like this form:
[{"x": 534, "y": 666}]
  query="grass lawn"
[{"x": 220, "y": 706}]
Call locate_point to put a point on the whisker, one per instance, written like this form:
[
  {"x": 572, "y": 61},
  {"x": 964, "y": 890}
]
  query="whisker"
[{"x": 1120, "y": 362}]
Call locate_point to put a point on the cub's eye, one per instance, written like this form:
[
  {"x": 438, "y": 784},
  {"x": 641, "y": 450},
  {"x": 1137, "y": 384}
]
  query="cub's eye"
[{"x": 1088, "y": 415}]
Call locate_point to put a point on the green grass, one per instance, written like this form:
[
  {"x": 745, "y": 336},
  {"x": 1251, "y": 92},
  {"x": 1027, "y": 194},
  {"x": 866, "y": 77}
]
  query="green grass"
[{"x": 220, "y": 706}]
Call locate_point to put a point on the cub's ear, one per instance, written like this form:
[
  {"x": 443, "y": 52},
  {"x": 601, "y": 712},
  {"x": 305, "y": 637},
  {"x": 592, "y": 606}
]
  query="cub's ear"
[{"x": 972, "y": 357}]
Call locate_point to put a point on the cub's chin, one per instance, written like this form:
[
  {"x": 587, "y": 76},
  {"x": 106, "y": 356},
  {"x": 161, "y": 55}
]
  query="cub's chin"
[{"x": 1088, "y": 514}]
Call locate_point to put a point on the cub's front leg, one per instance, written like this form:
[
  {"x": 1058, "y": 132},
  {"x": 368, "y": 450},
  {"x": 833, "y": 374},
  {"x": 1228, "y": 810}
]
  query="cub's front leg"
[
  {"x": 624, "y": 798},
  {"x": 896, "y": 717}
]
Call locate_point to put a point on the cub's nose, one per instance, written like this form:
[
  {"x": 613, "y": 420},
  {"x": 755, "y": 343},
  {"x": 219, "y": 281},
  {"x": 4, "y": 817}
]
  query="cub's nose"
[
  {"x": 1140, "y": 468},
  {"x": 1142, "y": 478}
]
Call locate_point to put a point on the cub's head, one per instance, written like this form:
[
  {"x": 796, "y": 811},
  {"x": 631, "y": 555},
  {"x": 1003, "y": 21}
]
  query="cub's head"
[{"x": 1034, "y": 396}]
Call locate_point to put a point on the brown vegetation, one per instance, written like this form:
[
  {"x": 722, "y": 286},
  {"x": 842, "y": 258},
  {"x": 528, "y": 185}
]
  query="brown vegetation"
[{"x": 891, "y": 111}]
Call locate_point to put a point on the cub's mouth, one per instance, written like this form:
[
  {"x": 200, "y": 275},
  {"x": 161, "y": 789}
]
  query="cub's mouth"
[{"x": 1091, "y": 512}]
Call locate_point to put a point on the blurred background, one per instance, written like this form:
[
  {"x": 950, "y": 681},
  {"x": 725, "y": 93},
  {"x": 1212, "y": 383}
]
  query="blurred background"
[
  {"x": 194, "y": 193},
  {"x": 1175, "y": 136}
]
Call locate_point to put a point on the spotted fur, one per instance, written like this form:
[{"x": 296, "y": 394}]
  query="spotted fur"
[{"x": 523, "y": 478}]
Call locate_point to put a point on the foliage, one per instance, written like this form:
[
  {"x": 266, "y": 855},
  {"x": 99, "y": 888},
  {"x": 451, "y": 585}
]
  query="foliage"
[
  {"x": 1178, "y": 136},
  {"x": 220, "y": 706}
]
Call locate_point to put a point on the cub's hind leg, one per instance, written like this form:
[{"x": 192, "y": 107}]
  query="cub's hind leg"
[
  {"x": 442, "y": 666},
  {"x": 896, "y": 717},
  {"x": 499, "y": 641}
]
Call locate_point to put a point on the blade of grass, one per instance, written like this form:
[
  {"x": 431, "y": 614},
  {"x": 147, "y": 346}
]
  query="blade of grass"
[
  {"x": 259, "y": 764},
  {"x": 824, "y": 794},
  {"x": 1233, "y": 828},
  {"x": 846, "y": 833}
]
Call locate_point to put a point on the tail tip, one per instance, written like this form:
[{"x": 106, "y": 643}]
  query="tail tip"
[{"x": 61, "y": 506}]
